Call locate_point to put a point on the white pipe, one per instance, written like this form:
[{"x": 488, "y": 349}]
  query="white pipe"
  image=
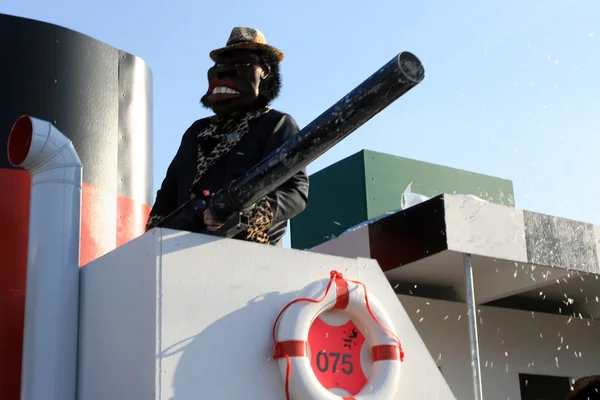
[{"x": 52, "y": 295}]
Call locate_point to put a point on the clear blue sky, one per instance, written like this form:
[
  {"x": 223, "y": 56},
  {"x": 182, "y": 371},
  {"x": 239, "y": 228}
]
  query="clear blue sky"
[{"x": 512, "y": 87}]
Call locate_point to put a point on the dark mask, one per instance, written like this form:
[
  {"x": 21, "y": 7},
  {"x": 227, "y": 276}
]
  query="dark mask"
[{"x": 234, "y": 82}]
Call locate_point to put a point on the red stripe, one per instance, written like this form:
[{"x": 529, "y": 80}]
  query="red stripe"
[
  {"x": 131, "y": 219},
  {"x": 14, "y": 220},
  {"x": 343, "y": 295},
  {"x": 96, "y": 240},
  {"x": 97, "y": 236},
  {"x": 348, "y": 398},
  {"x": 92, "y": 224},
  {"x": 292, "y": 348},
  {"x": 386, "y": 352}
]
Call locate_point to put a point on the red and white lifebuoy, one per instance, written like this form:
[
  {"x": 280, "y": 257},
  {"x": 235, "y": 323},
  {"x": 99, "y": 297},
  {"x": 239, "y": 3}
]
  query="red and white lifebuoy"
[{"x": 290, "y": 336}]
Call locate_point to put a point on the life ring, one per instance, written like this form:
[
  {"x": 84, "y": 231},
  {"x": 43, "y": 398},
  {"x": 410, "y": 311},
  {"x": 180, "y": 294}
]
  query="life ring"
[{"x": 290, "y": 337}]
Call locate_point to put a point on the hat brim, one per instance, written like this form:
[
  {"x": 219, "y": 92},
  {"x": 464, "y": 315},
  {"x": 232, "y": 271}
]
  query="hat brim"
[{"x": 250, "y": 46}]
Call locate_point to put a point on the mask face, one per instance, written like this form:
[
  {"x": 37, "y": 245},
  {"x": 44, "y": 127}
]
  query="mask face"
[{"x": 234, "y": 81}]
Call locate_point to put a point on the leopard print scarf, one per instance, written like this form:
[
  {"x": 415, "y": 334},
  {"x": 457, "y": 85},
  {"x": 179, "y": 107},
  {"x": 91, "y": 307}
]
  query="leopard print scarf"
[
  {"x": 232, "y": 131},
  {"x": 228, "y": 137}
]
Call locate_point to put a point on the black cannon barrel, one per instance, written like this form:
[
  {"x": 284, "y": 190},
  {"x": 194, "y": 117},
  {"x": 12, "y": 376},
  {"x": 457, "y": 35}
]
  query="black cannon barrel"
[{"x": 394, "y": 79}]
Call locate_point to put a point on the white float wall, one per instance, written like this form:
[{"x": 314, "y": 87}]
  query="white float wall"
[
  {"x": 511, "y": 342},
  {"x": 188, "y": 317}
]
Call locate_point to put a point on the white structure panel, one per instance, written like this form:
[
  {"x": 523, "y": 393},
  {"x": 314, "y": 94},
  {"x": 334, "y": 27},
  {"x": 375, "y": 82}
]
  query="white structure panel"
[
  {"x": 189, "y": 316},
  {"x": 510, "y": 342},
  {"x": 483, "y": 228}
]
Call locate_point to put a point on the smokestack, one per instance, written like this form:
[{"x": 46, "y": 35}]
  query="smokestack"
[{"x": 52, "y": 293}]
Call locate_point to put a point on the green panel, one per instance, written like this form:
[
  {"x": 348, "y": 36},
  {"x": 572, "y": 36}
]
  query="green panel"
[
  {"x": 369, "y": 184},
  {"x": 388, "y": 176},
  {"x": 336, "y": 202}
]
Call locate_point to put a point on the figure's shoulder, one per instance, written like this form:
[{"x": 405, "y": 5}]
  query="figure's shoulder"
[
  {"x": 283, "y": 125},
  {"x": 278, "y": 114},
  {"x": 196, "y": 126},
  {"x": 282, "y": 118},
  {"x": 200, "y": 123}
]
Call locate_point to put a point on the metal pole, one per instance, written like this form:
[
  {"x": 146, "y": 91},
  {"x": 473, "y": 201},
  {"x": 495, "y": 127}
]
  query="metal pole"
[{"x": 472, "y": 314}]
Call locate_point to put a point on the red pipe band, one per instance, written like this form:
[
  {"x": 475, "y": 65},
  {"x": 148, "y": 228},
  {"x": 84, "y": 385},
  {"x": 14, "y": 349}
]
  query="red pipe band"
[
  {"x": 385, "y": 352},
  {"x": 291, "y": 348}
]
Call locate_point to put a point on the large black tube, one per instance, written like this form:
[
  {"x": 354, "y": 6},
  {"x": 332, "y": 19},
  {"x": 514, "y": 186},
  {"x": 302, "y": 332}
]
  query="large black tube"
[
  {"x": 397, "y": 77},
  {"x": 394, "y": 79}
]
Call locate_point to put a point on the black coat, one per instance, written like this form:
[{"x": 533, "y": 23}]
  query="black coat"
[{"x": 286, "y": 202}]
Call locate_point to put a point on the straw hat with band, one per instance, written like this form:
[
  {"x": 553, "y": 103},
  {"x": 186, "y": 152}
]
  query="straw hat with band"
[{"x": 247, "y": 38}]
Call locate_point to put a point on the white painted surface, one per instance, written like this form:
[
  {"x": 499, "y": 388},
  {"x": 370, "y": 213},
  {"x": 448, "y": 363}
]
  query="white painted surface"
[
  {"x": 511, "y": 342},
  {"x": 350, "y": 245},
  {"x": 49, "y": 367},
  {"x": 118, "y": 322},
  {"x": 493, "y": 234},
  {"x": 483, "y": 228},
  {"x": 196, "y": 322}
]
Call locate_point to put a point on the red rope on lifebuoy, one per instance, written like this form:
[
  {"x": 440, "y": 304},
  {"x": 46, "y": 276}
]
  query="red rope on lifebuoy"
[
  {"x": 343, "y": 294},
  {"x": 388, "y": 330},
  {"x": 279, "y": 347},
  {"x": 298, "y": 348}
]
